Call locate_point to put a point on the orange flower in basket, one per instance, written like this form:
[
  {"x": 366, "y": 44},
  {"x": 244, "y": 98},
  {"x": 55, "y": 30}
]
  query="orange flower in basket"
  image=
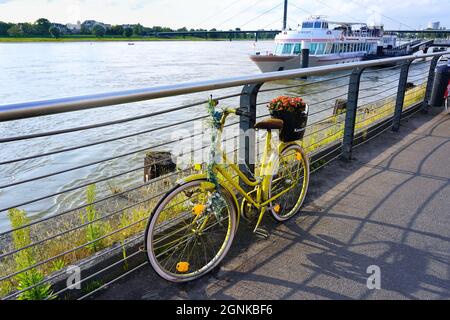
[{"x": 285, "y": 103}]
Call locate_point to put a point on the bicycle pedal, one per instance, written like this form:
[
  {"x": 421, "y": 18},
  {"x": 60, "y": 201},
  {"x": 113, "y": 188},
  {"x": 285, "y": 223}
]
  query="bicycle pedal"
[{"x": 261, "y": 233}]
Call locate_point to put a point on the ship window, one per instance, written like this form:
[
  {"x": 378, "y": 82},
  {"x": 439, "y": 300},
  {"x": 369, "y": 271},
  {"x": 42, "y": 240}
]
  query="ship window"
[
  {"x": 308, "y": 25},
  {"x": 325, "y": 25},
  {"x": 317, "y": 25},
  {"x": 313, "y": 48},
  {"x": 279, "y": 49},
  {"x": 320, "y": 48},
  {"x": 297, "y": 48},
  {"x": 287, "y": 48}
]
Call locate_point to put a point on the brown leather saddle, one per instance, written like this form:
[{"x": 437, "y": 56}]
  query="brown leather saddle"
[{"x": 270, "y": 124}]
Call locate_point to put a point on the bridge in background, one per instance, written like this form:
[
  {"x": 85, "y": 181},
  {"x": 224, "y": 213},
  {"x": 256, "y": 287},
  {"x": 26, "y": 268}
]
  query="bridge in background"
[{"x": 232, "y": 34}]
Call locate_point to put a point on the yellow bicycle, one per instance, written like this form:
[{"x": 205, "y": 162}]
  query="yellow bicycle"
[{"x": 192, "y": 227}]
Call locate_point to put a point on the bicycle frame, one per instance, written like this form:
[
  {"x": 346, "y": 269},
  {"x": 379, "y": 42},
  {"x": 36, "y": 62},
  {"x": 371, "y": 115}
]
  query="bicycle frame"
[{"x": 261, "y": 185}]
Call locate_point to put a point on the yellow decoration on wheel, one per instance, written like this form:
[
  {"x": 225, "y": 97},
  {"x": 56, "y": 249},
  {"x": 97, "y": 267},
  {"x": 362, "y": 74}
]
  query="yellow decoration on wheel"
[
  {"x": 199, "y": 209},
  {"x": 277, "y": 208},
  {"x": 198, "y": 167},
  {"x": 299, "y": 156},
  {"x": 183, "y": 267}
]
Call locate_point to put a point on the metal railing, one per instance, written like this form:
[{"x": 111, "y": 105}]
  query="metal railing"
[{"x": 376, "y": 100}]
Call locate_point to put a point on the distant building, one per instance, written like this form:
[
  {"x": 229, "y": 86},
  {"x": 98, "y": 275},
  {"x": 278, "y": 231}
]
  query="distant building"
[
  {"x": 63, "y": 28},
  {"x": 126, "y": 26},
  {"x": 434, "y": 25},
  {"x": 90, "y": 24},
  {"x": 74, "y": 28}
]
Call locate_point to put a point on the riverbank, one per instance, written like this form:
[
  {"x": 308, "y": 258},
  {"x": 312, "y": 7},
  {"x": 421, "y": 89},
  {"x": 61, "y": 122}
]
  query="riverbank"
[{"x": 110, "y": 39}]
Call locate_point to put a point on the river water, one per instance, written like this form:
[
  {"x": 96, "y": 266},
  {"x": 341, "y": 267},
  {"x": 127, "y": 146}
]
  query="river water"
[{"x": 37, "y": 71}]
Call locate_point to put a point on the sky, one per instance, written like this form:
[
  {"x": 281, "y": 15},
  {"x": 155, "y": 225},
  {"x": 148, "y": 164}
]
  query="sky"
[{"x": 229, "y": 14}]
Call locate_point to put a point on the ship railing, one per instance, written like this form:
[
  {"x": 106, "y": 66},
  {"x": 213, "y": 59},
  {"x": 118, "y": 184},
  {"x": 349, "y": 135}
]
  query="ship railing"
[{"x": 89, "y": 173}]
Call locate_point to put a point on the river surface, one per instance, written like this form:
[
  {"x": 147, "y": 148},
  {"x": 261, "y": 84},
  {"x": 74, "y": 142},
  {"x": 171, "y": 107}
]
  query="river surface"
[{"x": 39, "y": 71}]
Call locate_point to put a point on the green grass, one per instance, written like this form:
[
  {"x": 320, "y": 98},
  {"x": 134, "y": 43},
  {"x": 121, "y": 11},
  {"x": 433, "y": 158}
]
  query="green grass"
[{"x": 25, "y": 259}]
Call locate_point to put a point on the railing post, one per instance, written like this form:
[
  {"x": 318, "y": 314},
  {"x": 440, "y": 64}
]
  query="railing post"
[
  {"x": 247, "y": 135},
  {"x": 401, "y": 95},
  {"x": 350, "y": 118},
  {"x": 430, "y": 81}
]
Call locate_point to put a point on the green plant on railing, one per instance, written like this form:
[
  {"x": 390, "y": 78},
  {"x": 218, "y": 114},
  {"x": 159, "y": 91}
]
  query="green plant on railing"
[
  {"x": 124, "y": 256},
  {"x": 57, "y": 265},
  {"x": 94, "y": 230},
  {"x": 92, "y": 286},
  {"x": 25, "y": 258},
  {"x": 5, "y": 288}
]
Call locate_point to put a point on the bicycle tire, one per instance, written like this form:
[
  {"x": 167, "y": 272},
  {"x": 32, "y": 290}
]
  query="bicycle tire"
[{"x": 171, "y": 274}]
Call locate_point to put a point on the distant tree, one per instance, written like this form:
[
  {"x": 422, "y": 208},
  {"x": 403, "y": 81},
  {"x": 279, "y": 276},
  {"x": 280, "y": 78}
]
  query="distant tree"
[
  {"x": 116, "y": 30},
  {"x": 138, "y": 30},
  {"x": 127, "y": 32},
  {"x": 15, "y": 31},
  {"x": 99, "y": 31},
  {"x": 184, "y": 29},
  {"x": 238, "y": 35},
  {"x": 55, "y": 32},
  {"x": 85, "y": 29},
  {"x": 157, "y": 29},
  {"x": 214, "y": 35},
  {"x": 42, "y": 27},
  {"x": 4, "y": 27},
  {"x": 28, "y": 29}
]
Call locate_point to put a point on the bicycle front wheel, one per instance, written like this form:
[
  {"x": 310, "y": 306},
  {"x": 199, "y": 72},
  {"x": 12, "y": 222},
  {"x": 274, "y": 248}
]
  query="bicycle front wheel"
[
  {"x": 190, "y": 231},
  {"x": 291, "y": 181}
]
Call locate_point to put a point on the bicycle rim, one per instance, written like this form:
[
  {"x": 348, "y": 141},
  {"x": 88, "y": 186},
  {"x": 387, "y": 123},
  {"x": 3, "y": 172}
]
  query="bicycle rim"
[
  {"x": 293, "y": 174},
  {"x": 186, "y": 238}
]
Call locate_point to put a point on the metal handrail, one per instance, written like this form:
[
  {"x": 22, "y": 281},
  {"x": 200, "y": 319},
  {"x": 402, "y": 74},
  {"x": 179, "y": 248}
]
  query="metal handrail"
[{"x": 55, "y": 106}]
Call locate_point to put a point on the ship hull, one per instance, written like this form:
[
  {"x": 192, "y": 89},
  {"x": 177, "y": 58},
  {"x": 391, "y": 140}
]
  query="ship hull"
[{"x": 271, "y": 63}]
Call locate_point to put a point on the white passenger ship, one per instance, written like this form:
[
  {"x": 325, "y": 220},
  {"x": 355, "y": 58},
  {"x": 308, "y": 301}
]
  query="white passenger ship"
[{"x": 328, "y": 43}]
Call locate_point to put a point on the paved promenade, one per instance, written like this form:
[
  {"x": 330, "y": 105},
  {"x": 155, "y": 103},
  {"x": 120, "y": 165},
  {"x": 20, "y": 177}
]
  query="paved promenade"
[{"x": 390, "y": 207}]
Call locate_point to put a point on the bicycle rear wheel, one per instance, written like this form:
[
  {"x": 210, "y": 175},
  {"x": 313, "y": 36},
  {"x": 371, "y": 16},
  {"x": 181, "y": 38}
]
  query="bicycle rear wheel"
[
  {"x": 190, "y": 231},
  {"x": 292, "y": 175}
]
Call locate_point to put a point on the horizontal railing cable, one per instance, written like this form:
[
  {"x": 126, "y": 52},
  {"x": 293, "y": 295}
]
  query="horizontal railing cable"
[
  {"x": 305, "y": 84},
  {"x": 109, "y": 123},
  {"x": 84, "y": 279},
  {"x": 62, "y": 254},
  {"x": 112, "y": 281},
  {"x": 101, "y": 142},
  {"x": 79, "y": 264},
  {"x": 98, "y": 162},
  {"x": 116, "y": 195},
  {"x": 108, "y": 215}
]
